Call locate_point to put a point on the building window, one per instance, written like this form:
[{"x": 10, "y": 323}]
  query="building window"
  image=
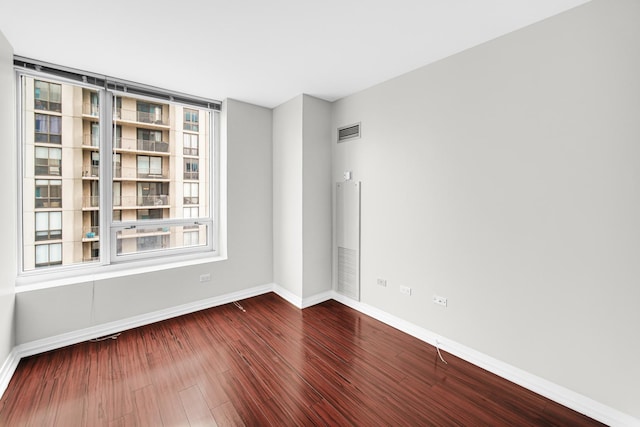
[
  {"x": 190, "y": 120},
  {"x": 149, "y": 113},
  {"x": 191, "y": 193},
  {"x": 48, "y": 226},
  {"x": 117, "y": 195},
  {"x": 151, "y": 140},
  {"x": 50, "y": 254},
  {"x": 94, "y": 104},
  {"x": 149, "y": 167},
  {"x": 149, "y": 214},
  {"x": 47, "y": 96},
  {"x": 153, "y": 194},
  {"x": 94, "y": 136},
  {"x": 48, "y": 161},
  {"x": 117, "y": 140},
  {"x": 95, "y": 164},
  {"x": 191, "y": 238},
  {"x": 48, "y": 128},
  {"x": 152, "y": 243},
  {"x": 48, "y": 193},
  {"x": 144, "y": 178},
  {"x": 117, "y": 165},
  {"x": 191, "y": 169},
  {"x": 190, "y": 212},
  {"x": 190, "y": 144}
]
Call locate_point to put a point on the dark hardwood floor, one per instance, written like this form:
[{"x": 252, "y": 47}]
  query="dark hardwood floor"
[{"x": 273, "y": 365}]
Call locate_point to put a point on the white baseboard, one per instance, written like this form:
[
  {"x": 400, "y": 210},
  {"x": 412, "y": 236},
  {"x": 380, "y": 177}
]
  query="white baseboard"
[
  {"x": 548, "y": 389},
  {"x": 62, "y": 340},
  {"x": 301, "y": 302},
  {"x": 8, "y": 369},
  {"x": 536, "y": 384}
]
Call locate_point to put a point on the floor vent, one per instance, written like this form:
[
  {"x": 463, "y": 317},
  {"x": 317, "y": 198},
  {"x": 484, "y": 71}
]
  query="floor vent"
[{"x": 346, "y": 133}]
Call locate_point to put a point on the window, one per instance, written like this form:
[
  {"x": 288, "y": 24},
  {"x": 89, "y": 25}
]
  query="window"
[
  {"x": 153, "y": 194},
  {"x": 117, "y": 165},
  {"x": 48, "y": 193},
  {"x": 117, "y": 195},
  {"x": 48, "y": 226},
  {"x": 47, "y": 96},
  {"x": 191, "y": 238},
  {"x": 50, "y": 254},
  {"x": 95, "y": 164},
  {"x": 190, "y": 144},
  {"x": 149, "y": 167},
  {"x": 149, "y": 214},
  {"x": 137, "y": 206},
  {"x": 48, "y": 128},
  {"x": 151, "y": 140},
  {"x": 94, "y": 105},
  {"x": 149, "y": 113},
  {"x": 48, "y": 161},
  {"x": 191, "y": 169},
  {"x": 94, "y": 136},
  {"x": 191, "y": 212},
  {"x": 190, "y": 120},
  {"x": 190, "y": 193}
]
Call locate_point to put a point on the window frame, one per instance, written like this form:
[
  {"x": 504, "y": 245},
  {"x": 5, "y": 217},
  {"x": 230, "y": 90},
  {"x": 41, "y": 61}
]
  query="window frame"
[{"x": 109, "y": 260}]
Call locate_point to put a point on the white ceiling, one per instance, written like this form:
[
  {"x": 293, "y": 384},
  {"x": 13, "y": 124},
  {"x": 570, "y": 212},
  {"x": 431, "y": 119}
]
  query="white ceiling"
[{"x": 258, "y": 51}]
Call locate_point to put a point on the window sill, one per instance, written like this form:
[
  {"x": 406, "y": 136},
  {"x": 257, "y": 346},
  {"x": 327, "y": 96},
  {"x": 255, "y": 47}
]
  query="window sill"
[{"x": 36, "y": 282}]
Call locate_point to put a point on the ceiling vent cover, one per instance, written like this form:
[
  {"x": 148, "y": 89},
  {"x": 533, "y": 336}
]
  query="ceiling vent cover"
[{"x": 346, "y": 133}]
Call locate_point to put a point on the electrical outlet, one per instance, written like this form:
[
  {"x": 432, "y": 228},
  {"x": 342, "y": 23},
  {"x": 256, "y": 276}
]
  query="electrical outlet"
[
  {"x": 440, "y": 300},
  {"x": 205, "y": 277},
  {"x": 382, "y": 282},
  {"x": 405, "y": 290}
]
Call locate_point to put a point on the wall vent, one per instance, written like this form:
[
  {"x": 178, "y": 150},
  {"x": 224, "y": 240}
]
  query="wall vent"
[{"x": 346, "y": 133}]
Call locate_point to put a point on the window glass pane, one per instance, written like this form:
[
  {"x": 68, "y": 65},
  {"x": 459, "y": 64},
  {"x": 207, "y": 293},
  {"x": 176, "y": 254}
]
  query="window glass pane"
[
  {"x": 42, "y": 221},
  {"x": 152, "y": 239},
  {"x": 55, "y": 220},
  {"x": 55, "y": 252},
  {"x": 42, "y": 254}
]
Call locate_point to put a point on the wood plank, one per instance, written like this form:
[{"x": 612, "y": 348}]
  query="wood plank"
[{"x": 196, "y": 408}]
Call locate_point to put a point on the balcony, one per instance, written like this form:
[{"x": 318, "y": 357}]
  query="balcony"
[
  {"x": 90, "y": 109},
  {"x": 193, "y": 200},
  {"x": 91, "y": 172},
  {"x": 48, "y": 203},
  {"x": 133, "y": 202},
  {"x": 91, "y": 234},
  {"x": 155, "y": 118},
  {"x": 135, "y": 174},
  {"x": 132, "y": 144},
  {"x": 89, "y": 202},
  {"x": 90, "y": 140},
  {"x": 194, "y": 176},
  {"x": 155, "y": 200}
]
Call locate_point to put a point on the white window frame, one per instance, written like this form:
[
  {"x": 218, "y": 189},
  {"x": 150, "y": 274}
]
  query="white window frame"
[{"x": 112, "y": 263}]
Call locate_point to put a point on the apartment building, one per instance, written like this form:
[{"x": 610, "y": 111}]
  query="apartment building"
[{"x": 156, "y": 160}]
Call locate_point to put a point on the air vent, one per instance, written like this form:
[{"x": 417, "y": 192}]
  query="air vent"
[{"x": 346, "y": 133}]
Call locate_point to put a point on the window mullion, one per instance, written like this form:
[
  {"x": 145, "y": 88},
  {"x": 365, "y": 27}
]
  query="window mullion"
[{"x": 106, "y": 175}]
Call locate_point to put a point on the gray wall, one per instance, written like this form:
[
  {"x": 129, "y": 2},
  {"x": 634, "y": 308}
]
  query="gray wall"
[
  {"x": 287, "y": 195},
  {"x": 247, "y": 129},
  {"x": 302, "y": 195},
  {"x": 8, "y": 195},
  {"x": 506, "y": 179},
  {"x": 316, "y": 196}
]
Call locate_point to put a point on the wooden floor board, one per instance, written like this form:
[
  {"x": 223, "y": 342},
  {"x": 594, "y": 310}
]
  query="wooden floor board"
[{"x": 267, "y": 365}]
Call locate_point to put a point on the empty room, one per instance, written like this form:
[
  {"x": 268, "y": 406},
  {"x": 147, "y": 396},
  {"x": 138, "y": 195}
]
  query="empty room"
[{"x": 320, "y": 213}]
